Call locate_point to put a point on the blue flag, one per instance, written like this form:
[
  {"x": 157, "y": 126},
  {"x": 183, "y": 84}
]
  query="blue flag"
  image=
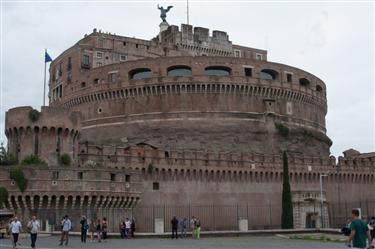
[{"x": 47, "y": 58}]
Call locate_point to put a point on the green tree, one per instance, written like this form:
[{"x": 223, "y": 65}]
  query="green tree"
[
  {"x": 17, "y": 175},
  {"x": 65, "y": 159},
  {"x": 5, "y": 157},
  {"x": 3, "y": 195},
  {"x": 33, "y": 160},
  {"x": 287, "y": 206}
]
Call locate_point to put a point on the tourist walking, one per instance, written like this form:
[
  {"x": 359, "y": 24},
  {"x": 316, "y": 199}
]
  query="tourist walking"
[
  {"x": 122, "y": 229},
  {"x": 15, "y": 228},
  {"x": 84, "y": 228},
  {"x": 183, "y": 227},
  {"x": 359, "y": 231},
  {"x": 66, "y": 225},
  {"x": 34, "y": 227},
  {"x": 99, "y": 230},
  {"x": 128, "y": 226},
  {"x": 197, "y": 228},
  {"x": 132, "y": 228},
  {"x": 104, "y": 229},
  {"x": 174, "y": 223}
]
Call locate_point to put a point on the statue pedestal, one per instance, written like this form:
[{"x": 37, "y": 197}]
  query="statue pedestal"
[{"x": 163, "y": 26}]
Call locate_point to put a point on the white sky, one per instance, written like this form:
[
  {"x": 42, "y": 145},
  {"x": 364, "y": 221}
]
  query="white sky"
[{"x": 334, "y": 41}]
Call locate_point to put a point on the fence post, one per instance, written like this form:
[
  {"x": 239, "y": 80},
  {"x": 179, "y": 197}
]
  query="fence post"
[
  {"x": 213, "y": 217},
  {"x": 270, "y": 213}
]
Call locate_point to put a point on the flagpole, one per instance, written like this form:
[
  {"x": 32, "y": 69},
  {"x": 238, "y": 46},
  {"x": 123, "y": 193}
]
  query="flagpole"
[{"x": 45, "y": 70}]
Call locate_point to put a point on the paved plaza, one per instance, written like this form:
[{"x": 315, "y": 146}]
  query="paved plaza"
[{"x": 268, "y": 242}]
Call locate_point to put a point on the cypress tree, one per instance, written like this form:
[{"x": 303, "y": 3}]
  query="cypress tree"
[{"x": 287, "y": 206}]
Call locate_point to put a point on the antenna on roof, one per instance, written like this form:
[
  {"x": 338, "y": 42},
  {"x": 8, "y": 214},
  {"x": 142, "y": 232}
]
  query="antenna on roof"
[{"x": 187, "y": 11}]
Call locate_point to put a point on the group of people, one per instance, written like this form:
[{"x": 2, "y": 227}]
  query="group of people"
[
  {"x": 127, "y": 228},
  {"x": 182, "y": 224},
  {"x": 358, "y": 230},
  {"x": 15, "y": 228}
]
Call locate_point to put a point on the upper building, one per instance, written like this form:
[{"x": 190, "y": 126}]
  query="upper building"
[{"x": 182, "y": 90}]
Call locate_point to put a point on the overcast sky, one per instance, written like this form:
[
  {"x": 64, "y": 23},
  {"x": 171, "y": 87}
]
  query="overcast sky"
[{"x": 334, "y": 41}]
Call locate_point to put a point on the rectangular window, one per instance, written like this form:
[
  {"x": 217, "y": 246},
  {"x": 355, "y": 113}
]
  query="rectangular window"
[
  {"x": 86, "y": 59},
  {"x": 259, "y": 57},
  {"x": 69, "y": 63},
  {"x": 99, "y": 64},
  {"x": 123, "y": 57},
  {"x": 248, "y": 72},
  {"x": 289, "y": 77},
  {"x": 99, "y": 55},
  {"x": 155, "y": 186},
  {"x": 80, "y": 175},
  {"x": 55, "y": 175},
  {"x": 113, "y": 77},
  {"x": 127, "y": 178},
  {"x": 237, "y": 53},
  {"x": 60, "y": 91},
  {"x": 113, "y": 177},
  {"x": 96, "y": 81}
]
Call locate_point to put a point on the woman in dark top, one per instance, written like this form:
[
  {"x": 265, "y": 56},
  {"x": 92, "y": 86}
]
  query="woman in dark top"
[
  {"x": 132, "y": 228},
  {"x": 99, "y": 229},
  {"x": 104, "y": 229}
]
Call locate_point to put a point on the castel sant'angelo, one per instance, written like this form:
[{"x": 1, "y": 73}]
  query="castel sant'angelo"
[{"x": 187, "y": 123}]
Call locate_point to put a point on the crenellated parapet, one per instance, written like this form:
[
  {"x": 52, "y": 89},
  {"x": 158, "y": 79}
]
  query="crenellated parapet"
[{"x": 48, "y": 133}]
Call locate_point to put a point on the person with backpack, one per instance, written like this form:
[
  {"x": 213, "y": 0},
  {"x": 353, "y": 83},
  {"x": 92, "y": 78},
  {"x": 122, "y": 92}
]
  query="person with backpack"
[
  {"x": 34, "y": 227},
  {"x": 371, "y": 227},
  {"x": 66, "y": 225},
  {"x": 84, "y": 228},
  {"x": 174, "y": 223},
  {"x": 359, "y": 231}
]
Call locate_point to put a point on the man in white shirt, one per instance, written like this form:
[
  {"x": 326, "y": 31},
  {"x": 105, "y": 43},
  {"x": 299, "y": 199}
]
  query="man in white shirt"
[
  {"x": 34, "y": 227},
  {"x": 127, "y": 227},
  {"x": 66, "y": 225},
  {"x": 15, "y": 228}
]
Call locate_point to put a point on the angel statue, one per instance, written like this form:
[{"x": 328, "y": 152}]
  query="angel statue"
[{"x": 163, "y": 12}]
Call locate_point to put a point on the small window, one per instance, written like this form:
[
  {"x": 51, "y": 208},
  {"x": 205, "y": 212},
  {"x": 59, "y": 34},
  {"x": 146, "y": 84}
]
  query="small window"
[
  {"x": 80, "y": 175},
  {"x": 83, "y": 84},
  {"x": 127, "y": 178},
  {"x": 140, "y": 73},
  {"x": 69, "y": 63},
  {"x": 237, "y": 53},
  {"x": 123, "y": 57},
  {"x": 113, "y": 177},
  {"x": 86, "y": 59},
  {"x": 289, "y": 77},
  {"x": 218, "y": 71},
  {"x": 268, "y": 74},
  {"x": 319, "y": 88},
  {"x": 304, "y": 82},
  {"x": 99, "y": 55},
  {"x": 124, "y": 43},
  {"x": 136, "y": 45},
  {"x": 155, "y": 186},
  {"x": 259, "y": 57},
  {"x": 179, "y": 71},
  {"x": 113, "y": 77},
  {"x": 166, "y": 154},
  {"x": 55, "y": 175},
  {"x": 248, "y": 72},
  {"x": 96, "y": 81}
]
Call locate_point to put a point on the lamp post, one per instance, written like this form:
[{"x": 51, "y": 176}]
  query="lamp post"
[{"x": 321, "y": 199}]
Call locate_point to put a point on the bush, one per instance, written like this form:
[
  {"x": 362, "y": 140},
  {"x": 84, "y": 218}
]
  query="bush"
[
  {"x": 33, "y": 160},
  {"x": 3, "y": 195},
  {"x": 18, "y": 176},
  {"x": 284, "y": 130},
  {"x": 65, "y": 159},
  {"x": 5, "y": 157},
  {"x": 34, "y": 115}
]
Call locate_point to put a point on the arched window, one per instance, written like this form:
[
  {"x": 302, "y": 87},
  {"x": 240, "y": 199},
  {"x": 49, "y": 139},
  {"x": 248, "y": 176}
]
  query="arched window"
[
  {"x": 218, "y": 71},
  {"x": 319, "y": 88},
  {"x": 268, "y": 74},
  {"x": 140, "y": 73},
  {"x": 179, "y": 71},
  {"x": 304, "y": 82}
]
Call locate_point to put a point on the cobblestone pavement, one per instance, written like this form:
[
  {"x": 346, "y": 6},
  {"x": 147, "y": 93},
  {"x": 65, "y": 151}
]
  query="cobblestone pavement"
[{"x": 267, "y": 242}]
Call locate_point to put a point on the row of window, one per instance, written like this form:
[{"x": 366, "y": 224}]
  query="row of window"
[
  {"x": 56, "y": 175},
  {"x": 265, "y": 74}
]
